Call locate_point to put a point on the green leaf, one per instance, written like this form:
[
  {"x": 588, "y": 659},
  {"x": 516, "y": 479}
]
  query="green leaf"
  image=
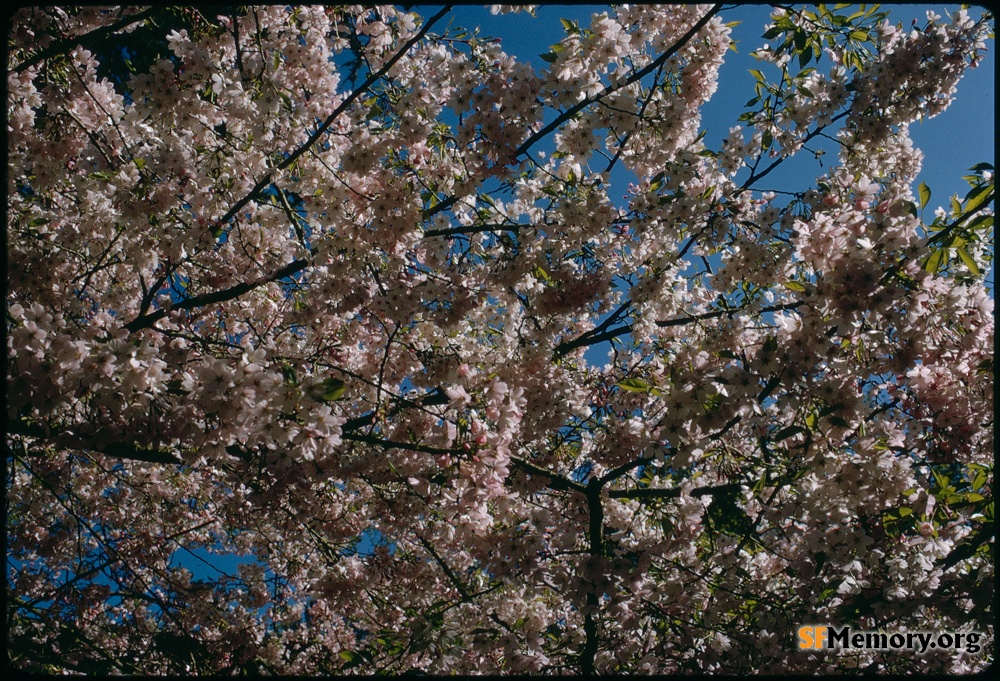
[
  {"x": 953, "y": 241},
  {"x": 977, "y": 197},
  {"x": 794, "y": 285},
  {"x": 541, "y": 274},
  {"x": 925, "y": 194},
  {"x": 941, "y": 479},
  {"x": 981, "y": 222},
  {"x": 936, "y": 260},
  {"x": 968, "y": 260},
  {"x": 549, "y": 57},
  {"x": 570, "y": 26},
  {"x": 634, "y": 385},
  {"x": 328, "y": 390},
  {"x": 800, "y": 39}
]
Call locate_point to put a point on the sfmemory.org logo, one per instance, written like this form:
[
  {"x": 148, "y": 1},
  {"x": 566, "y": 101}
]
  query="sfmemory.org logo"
[{"x": 826, "y": 637}]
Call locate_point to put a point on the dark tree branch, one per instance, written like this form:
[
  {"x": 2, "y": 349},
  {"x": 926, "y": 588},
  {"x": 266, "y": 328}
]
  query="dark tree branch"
[
  {"x": 341, "y": 108},
  {"x": 642, "y": 112},
  {"x": 147, "y": 321},
  {"x": 644, "y": 494},
  {"x": 117, "y": 450},
  {"x": 86, "y": 39},
  {"x": 595, "y": 536},
  {"x": 754, "y": 176},
  {"x": 390, "y": 444},
  {"x": 680, "y": 321},
  {"x": 474, "y": 229},
  {"x": 638, "y": 75},
  {"x": 449, "y": 573},
  {"x": 968, "y": 549},
  {"x": 556, "y": 481},
  {"x": 585, "y": 340},
  {"x": 615, "y": 473},
  {"x": 952, "y": 226}
]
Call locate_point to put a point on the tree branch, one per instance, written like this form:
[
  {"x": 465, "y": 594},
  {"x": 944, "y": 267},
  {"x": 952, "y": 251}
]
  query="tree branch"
[
  {"x": 341, "y": 108},
  {"x": 86, "y": 39},
  {"x": 391, "y": 444},
  {"x": 117, "y": 450},
  {"x": 638, "y": 75},
  {"x": 644, "y": 494},
  {"x": 615, "y": 473},
  {"x": 968, "y": 549},
  {"x": 474, "y": 229},
  {"x": 556, "y": 481},
  {"x": 146, "y": 321},
  {"x": 584, "y": 340},
  {"x": 754, "y": 176},
  {"x": 595, "y": 535}
]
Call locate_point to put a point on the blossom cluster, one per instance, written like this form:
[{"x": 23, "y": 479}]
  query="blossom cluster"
[{"x": 301, "y": 286}]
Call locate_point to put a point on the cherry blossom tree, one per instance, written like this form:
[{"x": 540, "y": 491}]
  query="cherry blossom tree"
[{"x": 302, "y": 284}]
